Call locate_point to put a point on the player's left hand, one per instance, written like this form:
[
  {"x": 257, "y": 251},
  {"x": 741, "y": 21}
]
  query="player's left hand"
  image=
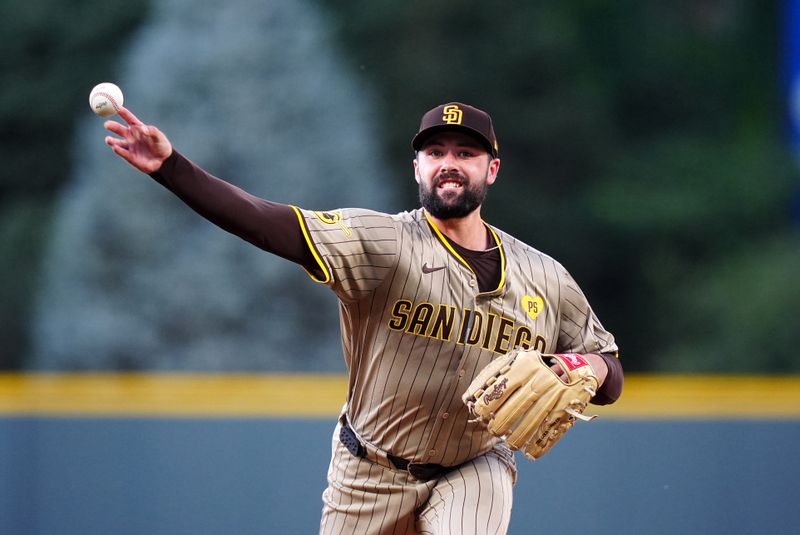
[
  {"x": 520, "y": 398},
  {"x": 598, "y": 364}
]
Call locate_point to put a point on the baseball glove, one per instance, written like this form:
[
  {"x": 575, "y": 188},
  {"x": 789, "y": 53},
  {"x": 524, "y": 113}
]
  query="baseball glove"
[{"x": 520, "y": 398}]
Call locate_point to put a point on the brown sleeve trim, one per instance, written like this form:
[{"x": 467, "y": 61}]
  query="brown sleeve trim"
[{"x": 612, "y": 386}]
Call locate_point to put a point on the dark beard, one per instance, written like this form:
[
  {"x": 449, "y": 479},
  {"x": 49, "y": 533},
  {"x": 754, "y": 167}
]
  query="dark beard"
[{"x": 469, "y": 199}]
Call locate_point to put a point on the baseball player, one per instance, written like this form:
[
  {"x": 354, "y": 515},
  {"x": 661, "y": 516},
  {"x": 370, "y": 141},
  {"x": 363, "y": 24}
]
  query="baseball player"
[{"x": 427, "y": 298}]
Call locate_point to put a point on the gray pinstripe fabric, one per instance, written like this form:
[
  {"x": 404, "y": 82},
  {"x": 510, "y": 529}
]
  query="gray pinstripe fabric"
[{"x": 415, "y": 331}]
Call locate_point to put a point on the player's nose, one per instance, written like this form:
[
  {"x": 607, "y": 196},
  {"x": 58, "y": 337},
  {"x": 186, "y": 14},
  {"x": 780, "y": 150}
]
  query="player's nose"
[{"x": 448, "y": 163}]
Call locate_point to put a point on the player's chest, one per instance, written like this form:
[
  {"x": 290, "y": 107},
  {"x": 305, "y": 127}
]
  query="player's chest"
[{"x": 438, "y": 298}]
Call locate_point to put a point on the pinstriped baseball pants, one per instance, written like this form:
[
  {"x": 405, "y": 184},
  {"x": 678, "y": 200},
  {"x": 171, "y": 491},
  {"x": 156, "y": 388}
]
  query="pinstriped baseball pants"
[{"x": 364, "y": 497}]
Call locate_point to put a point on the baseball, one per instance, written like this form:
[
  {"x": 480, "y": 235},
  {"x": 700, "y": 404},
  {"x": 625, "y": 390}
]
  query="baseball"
[{"x": 105, "y": 99}]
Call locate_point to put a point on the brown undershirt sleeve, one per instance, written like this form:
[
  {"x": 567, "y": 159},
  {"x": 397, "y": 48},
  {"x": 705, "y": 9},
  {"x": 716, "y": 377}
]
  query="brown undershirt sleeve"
[
  {"x": 268, "y": 225},
  {"x": 612, "y": 386}
]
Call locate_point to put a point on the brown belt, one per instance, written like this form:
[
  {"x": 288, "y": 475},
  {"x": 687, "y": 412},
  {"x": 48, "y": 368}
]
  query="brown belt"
[{"x": 420, "y": 471}]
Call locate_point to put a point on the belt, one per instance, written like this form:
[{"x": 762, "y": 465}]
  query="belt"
[{"x": 420, "y": 471}]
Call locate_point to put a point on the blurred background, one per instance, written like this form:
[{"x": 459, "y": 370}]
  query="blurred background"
[{"x": 649, "y": 146}]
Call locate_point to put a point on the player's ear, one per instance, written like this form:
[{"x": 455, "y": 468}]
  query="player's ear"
[
  {"x": 494, "y": 169},
  {"x": 416, "y": 170}
]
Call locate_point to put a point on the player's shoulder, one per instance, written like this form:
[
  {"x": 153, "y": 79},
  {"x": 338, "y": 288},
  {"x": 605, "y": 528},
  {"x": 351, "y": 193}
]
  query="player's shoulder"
[
  {"x": 513, "y": 244},
  {"x": 413, "y": 217},
  {"x": 528, "y": 258},
  {"x": 367, "y": 214}
]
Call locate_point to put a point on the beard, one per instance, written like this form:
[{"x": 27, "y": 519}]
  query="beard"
[{"x": 452, "y": 203}]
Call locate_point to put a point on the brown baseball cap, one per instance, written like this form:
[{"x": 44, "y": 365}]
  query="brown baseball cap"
[{"x": 457, "y": 116}]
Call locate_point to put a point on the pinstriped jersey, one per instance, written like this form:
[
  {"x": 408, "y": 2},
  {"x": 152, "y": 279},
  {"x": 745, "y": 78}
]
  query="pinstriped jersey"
[{"x": 416, "y": 328}]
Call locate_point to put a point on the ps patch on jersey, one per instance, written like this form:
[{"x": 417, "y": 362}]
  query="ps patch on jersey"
[{"x": 533, "y": 306}]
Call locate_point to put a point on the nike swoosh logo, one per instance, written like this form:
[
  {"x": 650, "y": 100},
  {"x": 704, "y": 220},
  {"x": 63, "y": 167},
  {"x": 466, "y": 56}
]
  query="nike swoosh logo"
[{"x": 426, "y": 269}]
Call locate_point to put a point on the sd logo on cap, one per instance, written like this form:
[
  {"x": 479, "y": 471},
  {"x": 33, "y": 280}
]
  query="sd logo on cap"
[{"x": 457, "y": 116}]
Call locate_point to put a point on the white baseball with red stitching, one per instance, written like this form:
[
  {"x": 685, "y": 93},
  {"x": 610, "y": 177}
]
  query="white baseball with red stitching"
[{"x": 105, "y": 99}]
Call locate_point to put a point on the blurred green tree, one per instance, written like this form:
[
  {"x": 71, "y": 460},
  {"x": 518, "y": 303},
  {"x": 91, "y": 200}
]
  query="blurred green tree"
[
  {"x": 52, "y": 54},
  {"x": 642, "y": 148},
  {"x": 641, "y": 143}
]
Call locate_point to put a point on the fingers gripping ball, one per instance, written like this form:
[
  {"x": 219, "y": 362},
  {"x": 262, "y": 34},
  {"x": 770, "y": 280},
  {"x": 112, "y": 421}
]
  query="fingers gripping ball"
[
  {"x": 520, "y": 398},
  {"x": 105, "y": 99}
]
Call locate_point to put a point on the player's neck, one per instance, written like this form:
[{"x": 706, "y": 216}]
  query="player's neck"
[{"x": 469, "y": 231}]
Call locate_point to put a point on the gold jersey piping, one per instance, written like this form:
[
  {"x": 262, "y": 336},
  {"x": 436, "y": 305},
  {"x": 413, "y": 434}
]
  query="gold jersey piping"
[
  {"x": 326, "y": 273},
  {"x": 450, "y": 248}
]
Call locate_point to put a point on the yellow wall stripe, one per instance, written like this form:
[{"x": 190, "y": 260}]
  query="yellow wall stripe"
[
  {"x": 708, "y": 397},
  {"x": 172, "y": 395},
  {"x": 646, "y": 397}
]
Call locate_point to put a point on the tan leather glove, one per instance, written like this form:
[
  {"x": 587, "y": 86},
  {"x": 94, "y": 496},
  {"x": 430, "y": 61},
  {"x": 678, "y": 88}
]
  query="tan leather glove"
[{"x": 522, "y": 399}]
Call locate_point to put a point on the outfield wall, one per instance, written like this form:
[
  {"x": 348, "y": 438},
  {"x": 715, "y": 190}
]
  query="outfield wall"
[{"x": 170, "y": 454}]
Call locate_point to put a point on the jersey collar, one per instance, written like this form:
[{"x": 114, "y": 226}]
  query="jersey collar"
[{"x": 452, "y": 251}]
